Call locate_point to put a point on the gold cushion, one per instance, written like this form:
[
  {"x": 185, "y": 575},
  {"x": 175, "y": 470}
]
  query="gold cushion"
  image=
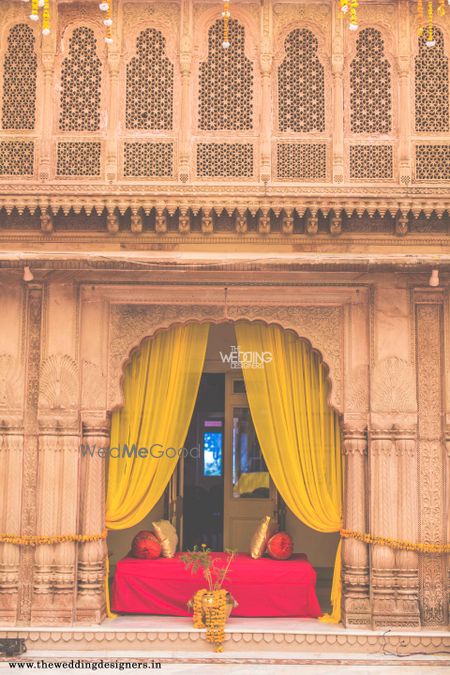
[
  {"x": 167, "y": 537},
  {"x": 266, "y": 529}
]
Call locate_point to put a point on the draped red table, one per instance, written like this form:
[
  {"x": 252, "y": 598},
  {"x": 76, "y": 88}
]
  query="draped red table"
[{"x": 263, "y": 587}]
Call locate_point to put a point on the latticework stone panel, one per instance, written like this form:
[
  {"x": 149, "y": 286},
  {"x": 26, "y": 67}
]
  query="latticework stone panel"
[
  {"x": 432, "y": 162},
  {"x": 16, "y": 158},
  {"x": 431, "y": 78},
  {"x": 149, "y": 89},
  {"x": 225, "y": 160},
  {"x": 370, "y": 85},
  {"x": 148, "y": 159},
  {"x": 226, "y": 82},
  {"x": 301, "y": 88},
  {"x": 19, "y": 79},
  {"x": 79, "y": 158},
  {"x": 81, "y": 81},
  {"x": 371, "y": 161},
  {"x": 303, "y": 161}
]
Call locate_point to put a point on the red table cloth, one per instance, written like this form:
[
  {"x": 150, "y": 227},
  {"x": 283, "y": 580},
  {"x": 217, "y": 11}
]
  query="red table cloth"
[{"x": 263, "y": 587}]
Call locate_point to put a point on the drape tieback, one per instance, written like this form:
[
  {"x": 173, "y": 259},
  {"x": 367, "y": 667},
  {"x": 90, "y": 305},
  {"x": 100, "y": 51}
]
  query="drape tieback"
[
  {"x": 30, "y": 540},
  {"x": 395, "y": 543}
]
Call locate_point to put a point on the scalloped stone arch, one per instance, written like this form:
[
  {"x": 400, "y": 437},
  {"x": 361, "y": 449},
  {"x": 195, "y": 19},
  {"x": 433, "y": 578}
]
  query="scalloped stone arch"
[{"x": 132, "y": 325}]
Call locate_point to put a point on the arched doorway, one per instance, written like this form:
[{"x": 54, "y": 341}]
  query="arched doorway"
[{"x": 231, "y": 412}]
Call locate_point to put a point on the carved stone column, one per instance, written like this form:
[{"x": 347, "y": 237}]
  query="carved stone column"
[
  {"x": 91, "y": 556},
  {"x": 48, "y": 60},
  {"x": 185, "y": 104},
  {"x": 113, "y": 112},
  {"x": 356, "y": 601},
  {"x": 266, "y": 95},
  {"x": 404, "y": 74},
  {"x": 54, "y": 575},
  {"x": 433, "y": 509},
  {"x": 383, "y": 520},
  {"x": 407, "y": 562},
  {"x": 337, "y": 65},
  {"x": 11, "y": 463},
  {"x": 28, "y": 517}
]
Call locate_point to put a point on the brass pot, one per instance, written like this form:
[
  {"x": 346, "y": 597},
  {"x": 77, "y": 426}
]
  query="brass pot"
[{"x": 208, "y": 598}]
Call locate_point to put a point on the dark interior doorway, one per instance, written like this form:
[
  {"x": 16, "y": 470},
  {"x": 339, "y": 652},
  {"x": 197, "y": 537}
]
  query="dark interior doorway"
[{"x": 203, "y": 501}]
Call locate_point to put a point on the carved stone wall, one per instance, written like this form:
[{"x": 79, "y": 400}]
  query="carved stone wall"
[{"x": 383, "y": 343}]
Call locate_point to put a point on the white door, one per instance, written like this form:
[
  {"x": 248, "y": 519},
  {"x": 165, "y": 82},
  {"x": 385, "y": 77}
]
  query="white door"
[{"x": 249, "y": 493}]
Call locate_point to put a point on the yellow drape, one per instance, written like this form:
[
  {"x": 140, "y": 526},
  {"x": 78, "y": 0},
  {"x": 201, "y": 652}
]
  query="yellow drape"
[
  {"x": 298, "y": 432},
  {"x": 160, "y": 389}
]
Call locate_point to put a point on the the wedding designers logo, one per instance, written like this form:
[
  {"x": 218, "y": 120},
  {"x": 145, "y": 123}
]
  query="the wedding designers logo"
[{"x": 240, "y": 359}]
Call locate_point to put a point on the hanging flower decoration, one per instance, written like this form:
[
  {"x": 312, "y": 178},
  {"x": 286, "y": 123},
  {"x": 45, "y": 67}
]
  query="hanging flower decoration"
[
  {"x": 106, "y": 7},
  {"x": 43, "y": 5},
  {"x": 226, "y": 24},
  {"x": 349, "y": 9}
]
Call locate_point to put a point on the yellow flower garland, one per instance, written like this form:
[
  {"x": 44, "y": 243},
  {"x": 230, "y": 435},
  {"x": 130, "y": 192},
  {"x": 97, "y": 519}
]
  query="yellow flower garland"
[
  {"x": 395, "y": 543},
  {"x": 57, "y": 539},
  {"x": 215, "y": 611}
]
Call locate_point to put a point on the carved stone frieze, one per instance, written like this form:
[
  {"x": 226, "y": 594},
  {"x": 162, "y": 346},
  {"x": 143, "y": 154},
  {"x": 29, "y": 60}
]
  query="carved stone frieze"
[
  {"x": 357, "y": 389},
  {"x": 393, "y": 386},
  {"x": 31, "y": 450},
  {"x": 58, "y": 383},
  {"x": 10, "y": 381},
  {"x": 432, "y": 521}
]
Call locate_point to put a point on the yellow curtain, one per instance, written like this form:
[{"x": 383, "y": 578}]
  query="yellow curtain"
[
  {"x": 298, "y": 432},
  {"x": 160, "y": 388}
]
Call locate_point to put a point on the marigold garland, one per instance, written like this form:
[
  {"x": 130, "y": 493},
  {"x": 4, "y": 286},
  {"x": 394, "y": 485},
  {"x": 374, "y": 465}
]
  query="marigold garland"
[
  {"x": 30, "y": 540},
  {"x": 215, "y": 615},
  {"x": 395, "y": 543}
]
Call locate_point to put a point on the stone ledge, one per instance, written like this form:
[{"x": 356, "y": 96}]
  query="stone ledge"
[{"x": 181, "y": 639}]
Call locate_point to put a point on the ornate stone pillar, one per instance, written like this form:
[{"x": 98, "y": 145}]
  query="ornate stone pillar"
[
  {"x": 266, "y": 95},
  {"x": 337, "y": 66},
  {"x": 28, "y": 516},
  {"x": 433, "y": 508},
  {"x": 407, "y": 562},
  {"x": 91, "y": 555},
  {"x": 47, "y": 103},
  {"x": 383, "y": 521},
  {"x": 356, "y": 601},
  {"x": 11, "y": 462},
  {"x": 404, "y": 73},
  {"x": 55, "y": 565},
  {"x": 113, "y": 111},
  {"x": 185, "y": 104}
]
